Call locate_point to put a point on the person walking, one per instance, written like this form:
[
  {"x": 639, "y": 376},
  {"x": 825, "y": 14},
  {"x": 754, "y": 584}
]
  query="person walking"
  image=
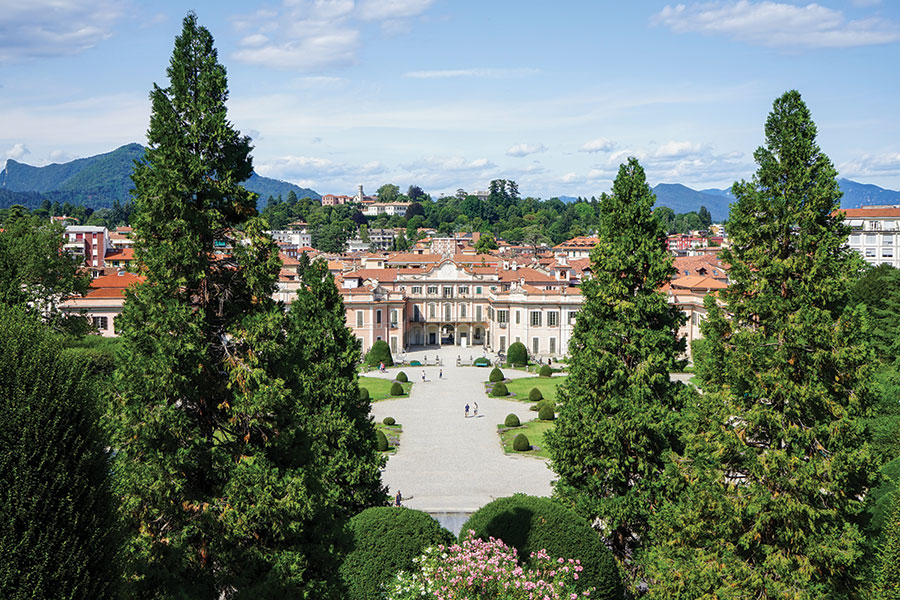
[
  {"x": 423, "y": 375},
  {"x": 475, "y": 413},
  {"x": 440, "y": 373},
  {"x": 397, "y": 498},
  {"x": 467, "y": 410}
]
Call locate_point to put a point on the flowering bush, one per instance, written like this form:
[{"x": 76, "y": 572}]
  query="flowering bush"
[{"x": 478, "y": 569}]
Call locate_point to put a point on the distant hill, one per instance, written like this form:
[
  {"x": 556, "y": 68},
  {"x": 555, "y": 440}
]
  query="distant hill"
[
  {"x": 98, "y": 181},
  {"x": 683, "y": 199},
  {"x": 857, "y": 194}
]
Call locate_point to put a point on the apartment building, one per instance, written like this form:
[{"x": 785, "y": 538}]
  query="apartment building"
[
  {"x": 875, "y": 233},
  {"x": 90, "y": 243}
]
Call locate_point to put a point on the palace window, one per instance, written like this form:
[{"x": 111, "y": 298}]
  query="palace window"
[
  {"x": 463, "y": 290},
  {"x": 432, "y": 311},
  {"x": 417, "y": 290},
  {"x": 553, "y": 345},
  {"x": 535, "y": 345},
  {"x": 478, "y": 313},
  {"x": 448, "y": 292},
  {"x": 478, "y": 289},
  {"x": 446, "y": 312},
  {"x": 518, "y": 317},
  {"x": 535, "y": 319},
  {"x": 359, "y": 318},
  {"x": 502, "y": 316},
  {"x": 432, "y": 290},
  {"x": 552, "y": 318},
  {"x": 462, "y": 311},
  {"x": 378, "y": 317},
  {"x": 100, "y": 323}
]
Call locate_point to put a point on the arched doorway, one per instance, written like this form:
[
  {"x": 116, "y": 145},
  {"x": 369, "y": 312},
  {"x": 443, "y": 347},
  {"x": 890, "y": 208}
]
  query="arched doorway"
[{"x": 448, "y": 335}]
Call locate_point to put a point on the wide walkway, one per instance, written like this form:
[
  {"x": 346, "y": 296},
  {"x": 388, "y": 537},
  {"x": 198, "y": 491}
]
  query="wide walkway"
[{"x": 447, "y": 462}]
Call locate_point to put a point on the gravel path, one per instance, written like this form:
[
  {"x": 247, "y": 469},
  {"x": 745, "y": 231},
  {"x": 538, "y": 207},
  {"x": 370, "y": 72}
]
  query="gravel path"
[{"x": 447, "y": 462}]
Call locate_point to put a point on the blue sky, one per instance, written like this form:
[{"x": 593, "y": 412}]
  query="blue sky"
[{"x": 451, "y": 94}]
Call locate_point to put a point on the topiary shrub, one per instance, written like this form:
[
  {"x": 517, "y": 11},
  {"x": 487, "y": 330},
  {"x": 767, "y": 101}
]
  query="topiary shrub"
[
  {"x": 521, "y": 443},
  {"x": 496, "y": 375},
  {"x": 379, "y": 353},
  {"x": 381, "y": 441},
  {"x": 401, "y": 377},
  {"x": 535, "y": 395},
  {"x": 530, "y": 524},
  {"x": 385, "y": 541},
  {"x": 512, "y": 420},
  {"x": 499, "y": 389},
  {"x": 546, "y": 371},
  {"x": 389, "y": 421},
  {"x": 517, "y": 355},
  {"x": 396, "y": 389},
  {"x": 364, "y": 394},
  {"x": 545, "y": 412},
  {"x": 482, "y": 362}
]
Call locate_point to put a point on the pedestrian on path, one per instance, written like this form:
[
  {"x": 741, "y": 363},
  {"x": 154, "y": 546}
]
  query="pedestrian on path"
[
  {"x": 467, "y": 410},
  {"x": 476, "y": 410},
  {"x": 440, "y": 373},
  {"x": 397, "y": 498},
  {"x": 423, "y": 375}
]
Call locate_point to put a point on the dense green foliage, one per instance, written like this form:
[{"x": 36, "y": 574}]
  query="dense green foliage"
[
  {"x": 499, "y": 389},
  {"x": 512, "y": 420},
  {"x": 769, "y": 490},
  {"x": 517, "y": 354},
  {"x": 546, "y": 412},
  {"x": 879, "y": 290},
  {"x": 389, "y": 421},
  {"x": 529, "y": 524},
  {"x": 364, "y": 394},
  {"x": 396, "y": 389},
  {"x": 35, "y": 272},
  {"x": 535, "y": 395},
  {"x": 379, "y": 353},
  {"x": 225, "y": 471},
  {"x": 381, "y": 441},
  {"x": 385, "y": 541},
  {"x": 620, "y": 411},
  {"x": 401, "y": 377},
  {"x": 496, "y": 375},
  {"x": 546, "y": 371},
  {"x": 888, "y": 574},
  {"x": 57, "y": 520},
  {"x": 521, "y": 443}
]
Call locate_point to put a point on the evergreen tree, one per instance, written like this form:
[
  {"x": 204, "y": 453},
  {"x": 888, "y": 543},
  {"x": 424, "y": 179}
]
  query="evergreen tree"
[
  {"x": 57, "y": 521},
  {"x": 888, "y": 577},
  {"x": 215, "y": 466},
  {"x": 322, "y": 355},
  {"x": 619, "y": 411},
  {"x": 776, "y": 466}
]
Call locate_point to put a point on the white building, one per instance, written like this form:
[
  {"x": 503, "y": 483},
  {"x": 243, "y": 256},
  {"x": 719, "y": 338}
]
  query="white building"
[
  {"x": 390, "y": 209},
  {"x": 875, "y": 233}
]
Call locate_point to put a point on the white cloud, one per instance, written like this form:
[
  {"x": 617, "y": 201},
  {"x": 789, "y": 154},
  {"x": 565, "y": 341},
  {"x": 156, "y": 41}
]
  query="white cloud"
[
  {"x": 377, "y": 10},
  {"x": 257, "y": 39},
  {"x": 598, "y": 145},
  {"x": 777, "y": 24},
  {"x": 50, "y": 28},
  {"x": 569, "y": 178},
  {"x": 17, "y": 152},
  {"x": 480, "y": 72},
  {"x": 307, "y": 53},
  {"x": 886, "y": 163},
  {"x": 526, "y": 149},
  {"x": 677, "y": 150},
  {"x": 454, "y": 164}
]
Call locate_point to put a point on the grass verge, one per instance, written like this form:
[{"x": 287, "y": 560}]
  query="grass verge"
[
  {"x": 392, "y": 432},
  {"x": 522, "y": 387},
  {"x": 379, "y": 388},
  {"x": 535, "y": 431}
]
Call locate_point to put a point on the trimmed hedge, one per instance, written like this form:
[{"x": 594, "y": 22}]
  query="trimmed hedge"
[
  {"x": 381, "y": 441},
  {"x": 535, "y": 395},
  {"x": 401, "y": 377},
  {"x": 521, "y": 443},
  {"x": 482, "y": 362},
  {"x": 364, "y": 394},
  {"x": 530, "y": 524},
  {"x": 499, "y": 389},
  {"x": 517, "y": 355},
  {"x": 389, "y": 421},
  {"x": 546, "y": 413},
  {"x": 379, "y": 353},
  {"x": 396, "y": 389},
  {"x": 546, "y": 371},
  {"x": 496, "y": 375},
  {"x": 385, "y": 541},
  {"x": 512, "y": 420}
]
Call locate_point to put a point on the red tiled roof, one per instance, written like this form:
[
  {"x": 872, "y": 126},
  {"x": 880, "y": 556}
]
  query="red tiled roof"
[{"x": 864, "y": 213}]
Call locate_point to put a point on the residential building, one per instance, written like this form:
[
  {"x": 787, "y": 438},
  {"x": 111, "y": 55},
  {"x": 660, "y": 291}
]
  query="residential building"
[
  {"x": 90, "y": 243},
  {"x": 376, "y": 209},
  {"x": 875, "y": 233}
]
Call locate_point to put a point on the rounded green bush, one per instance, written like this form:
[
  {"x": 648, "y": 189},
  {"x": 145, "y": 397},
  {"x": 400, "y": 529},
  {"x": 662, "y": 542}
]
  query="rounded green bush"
[
  {"x": 396, "y": 389},
  {"x": 512, "y": 420},
  {"x": 521, "y": 443},
  {"x": 496, "y": 375},
  {"x": 364, "y": 394},
  {"x": 546, "y": 371},
  {"x": 546, "y": 413},
  {"x": 530, "y": 524},
  {"x": 401, "y": 377},
  {"x": 381, "y": 441},
  {"x": 379, "y": 353},
  {"x": 482, "y": 362},
  {"x": 499, "y": 389},
  {"x": 535, "y": 395},
  {"x": 385, "y": 541},
  {"x": 517, "y": 355},
  {"x": 389, "y": 421}
]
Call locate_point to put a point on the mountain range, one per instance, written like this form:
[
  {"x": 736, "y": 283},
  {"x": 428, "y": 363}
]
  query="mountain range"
[{"x": 99, "y": 181}]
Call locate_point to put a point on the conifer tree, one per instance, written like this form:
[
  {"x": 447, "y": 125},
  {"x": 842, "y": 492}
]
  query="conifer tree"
[
  {"x": 58, "y": 536},
  {"x": 776, "y": 465},
  {"x": 888, "y": 576},
  {"x": 620, "y": 410},
  {"x": 215, "y": 466},
  {"x": 321, "y": 357}
]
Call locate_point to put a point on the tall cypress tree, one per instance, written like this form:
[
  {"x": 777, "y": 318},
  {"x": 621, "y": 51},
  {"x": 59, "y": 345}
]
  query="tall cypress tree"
[
  {"x": 620, "y": 410},
  {"x": 215, "y": 464},
  {"x": 776, "y": 465},
  {"x": 321, "y": 357},
  {"x": 888, "y": 575},
  {"x": 57, "y": 520}
]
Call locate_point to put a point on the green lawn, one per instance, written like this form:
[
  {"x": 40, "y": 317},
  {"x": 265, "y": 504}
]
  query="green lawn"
[
  {"x": 379, "y": 389},
  {"x": 547, "y": 385},
  {"x": 534, "y": 430},
  {"x": 393, "y": 435}
]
